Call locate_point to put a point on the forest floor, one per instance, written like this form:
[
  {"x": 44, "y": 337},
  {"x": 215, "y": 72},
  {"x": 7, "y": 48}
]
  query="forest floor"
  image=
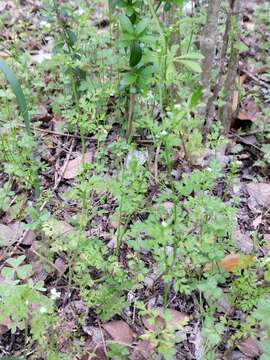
[{"x": 84, "y": 236}]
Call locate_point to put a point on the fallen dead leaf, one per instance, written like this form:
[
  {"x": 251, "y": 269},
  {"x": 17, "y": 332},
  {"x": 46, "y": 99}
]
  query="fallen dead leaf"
[
  {"x": 142, "y": 350},
  {"x": 74, "y": 167},
  {"x": 231, "y": 262},
  {"x": 119, "y": 331},
  {"x": 9, "y": 234},
  {"x": 177, "y": 319},
  {"x": 95, "y": 342},
  {"x": 250, "y": 347},
  {"x": 260, "y": 192},
  {"x": 3, "y": 55},
  {"x": 237, "y": 355},
  {"x": 243, "y": 241},
  {"x": 249, "y": 111}
]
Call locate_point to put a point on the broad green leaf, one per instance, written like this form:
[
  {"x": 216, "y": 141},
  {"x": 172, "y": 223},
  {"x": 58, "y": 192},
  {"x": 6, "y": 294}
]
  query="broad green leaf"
[
  {"x": 126, "y": 24},
  {"x": 16, "y": 88},
  {"x": 135, "y": 54},
  {"x": 129, "y": 79},
  {"x": 16, "y": 262},
  {"x": 192, "y": 65},
  {"x": 8, "y": 273},
  {"x": 72, "y": 37},
  {"x": 141, "y": 26},
  {"x": 241, "y": 46},
  {"x": 112, "y": 5},
  {"x": 24, "y": 271},
  {"x": 192, "y": 56}
]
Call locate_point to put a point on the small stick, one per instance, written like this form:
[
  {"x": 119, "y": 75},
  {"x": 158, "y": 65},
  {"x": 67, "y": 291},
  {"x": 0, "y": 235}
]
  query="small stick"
[
  {"x": 102, "y": 337},
  {"x": 259, "y": 81},
  {"x": 130, "y": 114},
  {"x": 156, "y": 163}
]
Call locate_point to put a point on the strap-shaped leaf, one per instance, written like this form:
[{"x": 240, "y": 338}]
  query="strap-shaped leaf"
[{"x": 17, "y": 90}]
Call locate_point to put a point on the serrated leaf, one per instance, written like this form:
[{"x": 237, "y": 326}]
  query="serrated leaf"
[
  {"x": 135, "y": 54},
  {"x": 16, "y": 262},
  {"x": 8, "y": 273},
  {"x": 192, "y": 65},
  {"x": 24, "y": 271},
  {"x": 126, "y": 24},
  {"x": 17, "y": 90}
]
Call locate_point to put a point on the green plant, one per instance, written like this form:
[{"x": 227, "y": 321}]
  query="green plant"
[{"x": 23, "y": 304}]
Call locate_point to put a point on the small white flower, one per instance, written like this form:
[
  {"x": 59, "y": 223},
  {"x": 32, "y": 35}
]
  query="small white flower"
[
  {"x": 42, "y": 310},
  {"x": 26, "y": 302},
  {"x": 209, "y": 169},
  {"x": 163, "y": 132},
  {"x": 55, "y": 294},
  {"x": 164, "y": 224}
]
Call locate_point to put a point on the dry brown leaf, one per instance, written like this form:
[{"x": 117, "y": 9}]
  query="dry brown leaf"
[
  {"x": 260, "y": 192},
  {"x": 231, "y": 263},
  {"x": 95, "y": 342},
  {"x": 249, "y": 111},
  {"x": 74, "y": 167},
  {"x": 243, "y": 241},
  {"x": 119, "y": 331},
  {"x": 142, "y": 350},
  {"x": 9, "y": 234},
  {"x": 250, "y": 347},
  {"x": 3, "y": 55},
  {"x": 177, "y": 319}
]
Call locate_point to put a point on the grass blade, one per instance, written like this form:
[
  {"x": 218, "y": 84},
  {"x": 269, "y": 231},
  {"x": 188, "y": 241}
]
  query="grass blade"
[{"x": 17, "y": 90}]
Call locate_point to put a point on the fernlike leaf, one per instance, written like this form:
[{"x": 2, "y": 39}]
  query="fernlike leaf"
[
  {"x": 126, "y": 24},
  {"x": 17, "y": 90}
]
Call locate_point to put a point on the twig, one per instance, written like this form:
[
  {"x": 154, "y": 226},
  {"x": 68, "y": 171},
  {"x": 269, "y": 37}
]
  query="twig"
[
  {"x": 245, "y": 141},
  {"x": 259, "y": 81},
  {"x": 57, "y": 133},
  {"x": 102, "y": 337},
  {"x": 130, "y": 114},
  {"x": 156, "y": 163},
  {"x": 64, "y": 166}
]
